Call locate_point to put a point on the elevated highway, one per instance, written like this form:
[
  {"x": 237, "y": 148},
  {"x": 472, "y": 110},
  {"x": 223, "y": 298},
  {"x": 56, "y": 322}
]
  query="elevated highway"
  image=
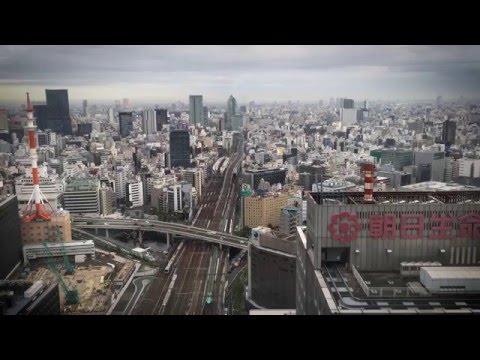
[{"x": 186, "y": 231}]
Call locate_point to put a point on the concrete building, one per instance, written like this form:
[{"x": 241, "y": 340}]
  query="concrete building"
[
  {"x": 149, "y": 122},
  {"x": 469, "y": 167},
  {"x": 72, "y": 248},
  {"x": 369, "y": 245},
  {"x": 81, "y": 195},
  {"x": 174, "y": 199},
  {"x": 196, "y": 110},
  {"x": 134, "y": 192},
  {"x": 290, "y": 218},
  {"x": 10, "y": 241},
  {"x": 263, "y": 209},
  {"x": 107, "y": 200},
  {"x": 196, "y": 178},
  {"x": 59, "y": 228},
  {"x": 121, "y": 181}
]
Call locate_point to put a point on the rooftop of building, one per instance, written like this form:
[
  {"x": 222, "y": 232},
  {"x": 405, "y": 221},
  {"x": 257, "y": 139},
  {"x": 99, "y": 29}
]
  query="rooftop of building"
[
  {"x": 389, "y": 291},
  {"x": 81, "y": 184},
  {"x": 399, "y": 198},
  {"x": 438, "y": 186}
]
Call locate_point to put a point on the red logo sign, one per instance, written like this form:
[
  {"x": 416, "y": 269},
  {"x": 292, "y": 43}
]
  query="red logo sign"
[{"x": 344, "y": 227}]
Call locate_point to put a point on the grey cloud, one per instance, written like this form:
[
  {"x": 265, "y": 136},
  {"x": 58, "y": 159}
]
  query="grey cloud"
[{"x": 221, "y": 68}]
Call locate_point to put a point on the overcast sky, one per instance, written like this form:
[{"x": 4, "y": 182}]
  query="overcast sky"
[{"x": 159, "y": 74}]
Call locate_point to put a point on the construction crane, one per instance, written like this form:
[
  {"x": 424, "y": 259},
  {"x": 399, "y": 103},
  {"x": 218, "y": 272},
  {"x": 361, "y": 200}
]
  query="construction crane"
[
  {"x": 69, "y": 267},
  {"x": 71, "y": 296}
]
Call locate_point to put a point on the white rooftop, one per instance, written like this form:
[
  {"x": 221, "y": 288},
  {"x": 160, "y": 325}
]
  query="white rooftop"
[{"x": 453, "y": 272}]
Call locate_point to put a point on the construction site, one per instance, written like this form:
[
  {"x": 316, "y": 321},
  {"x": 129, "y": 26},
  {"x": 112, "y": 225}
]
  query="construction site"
[
  {"x": 89, "y": 279},
  {"x": 90, "y": 288}
]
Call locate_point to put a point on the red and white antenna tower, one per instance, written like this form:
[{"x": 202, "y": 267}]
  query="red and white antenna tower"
[
  {"x": 368, "y": 194},
  {"x": 37, "y": 198}
]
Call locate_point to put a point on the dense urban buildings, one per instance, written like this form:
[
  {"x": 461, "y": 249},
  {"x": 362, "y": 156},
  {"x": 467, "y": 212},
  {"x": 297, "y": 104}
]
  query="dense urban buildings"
[{"x": 269, "y": 193}]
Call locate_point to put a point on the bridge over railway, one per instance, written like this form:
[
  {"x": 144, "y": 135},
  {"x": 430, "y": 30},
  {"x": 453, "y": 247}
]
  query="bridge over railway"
[{"x": 183, "y": 230}]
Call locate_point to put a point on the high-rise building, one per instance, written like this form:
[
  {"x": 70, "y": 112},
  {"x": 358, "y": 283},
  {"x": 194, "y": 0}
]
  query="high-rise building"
[
  {"x": 439, "y": 101},
  {"x": 4, "y": 129},
  {"x": 179, "y": 148},
  {"x": 348, "y": 103},
  {"x": 126, "y": 104},
  {"x": 3, "y": 121},
  {"x": 290, "y": 218},
  {"x": 149, "y": 122},
  {"x": 449, "y": 132},
  {"x": 125, "y": 121},
  {"x": 332, "y": 102},
  {"x": 81, "y": 195},
  {"x": 196, "y": 109},
  {"x": 206, "y": 116},
  {"x": 236, "y": 122},
  {"x": 10, "y": 241},
  {"x": 134, "y": 193},
  {"x": 58, "y": 111},
  {"x": 231, "y": 111},
  {"x": 194, "y": 177},
  {"x": 111, "y": 118},
  {"x": 243, "y": 109},
  {"x": 430, "y": 160},
  {"x": 120, "y": 181},
  {"x": 174, "y": 198},
  {"x": 85, "y": 107},
  {"x": 161, "y": 118},
  {"x": 107, "y": 200},
  {"x": 263, "y": 209}
]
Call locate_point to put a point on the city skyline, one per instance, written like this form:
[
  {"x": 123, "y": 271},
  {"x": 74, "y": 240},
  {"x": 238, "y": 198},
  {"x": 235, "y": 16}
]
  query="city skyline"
[{"x": 261, "y": 73}]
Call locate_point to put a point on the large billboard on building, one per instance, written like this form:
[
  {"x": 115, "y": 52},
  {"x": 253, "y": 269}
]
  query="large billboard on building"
[{"x": 381, "y": 235}]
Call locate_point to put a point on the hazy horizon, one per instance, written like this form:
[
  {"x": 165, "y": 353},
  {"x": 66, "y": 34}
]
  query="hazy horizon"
[{"x": 166, "y": 74}]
